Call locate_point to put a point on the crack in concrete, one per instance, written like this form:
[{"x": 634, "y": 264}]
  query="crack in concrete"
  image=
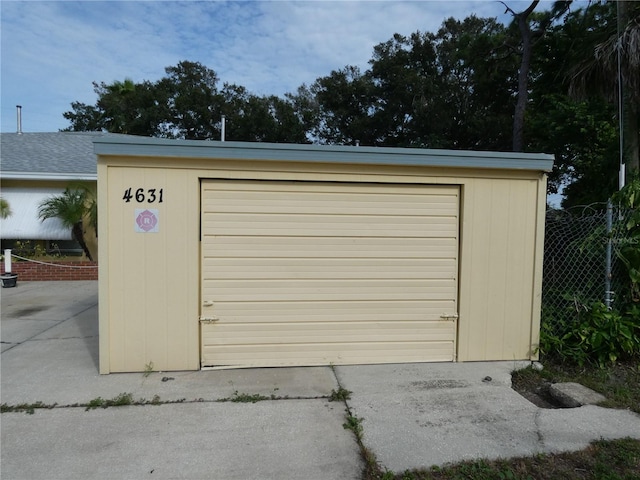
[
  {"x": 143, "y": 402},
  {"x": 62, "y": 338},
  {"x": 536, "y": 422},
  {"x": 47, "y": 329}
]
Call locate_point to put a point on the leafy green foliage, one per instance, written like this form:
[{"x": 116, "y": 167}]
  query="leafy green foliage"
[
  {"x": 587, "y": 169},
  {"x": 28, "y": 408},
  {"x": 629, "y": 253},
  {"x": 187, "y": 103},
  {"x": 248, "y": 398},
  {"x": 5, "y": 208},
  {"x": 340, "y": 395},
  {"x": 455, "y": 88},
  {"x": 24, "y": 248},
  {"x": 71, "y": 207},
  {"x": 596, "y": 335},
  {"x": 355, "y": 425},
  {"x": 120, "y": 400}
]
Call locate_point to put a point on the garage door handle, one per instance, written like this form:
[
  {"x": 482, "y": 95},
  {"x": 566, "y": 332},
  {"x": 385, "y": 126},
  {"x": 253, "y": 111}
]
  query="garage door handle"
[
  {"x": 449, "y": 316},
  {"x": 204, "y": 319}
]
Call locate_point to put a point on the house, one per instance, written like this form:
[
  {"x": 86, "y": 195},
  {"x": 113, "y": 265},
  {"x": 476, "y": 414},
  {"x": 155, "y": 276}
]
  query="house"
[
  {"x": 230, "y": 254},
  {"x": 34, "y": 167}
]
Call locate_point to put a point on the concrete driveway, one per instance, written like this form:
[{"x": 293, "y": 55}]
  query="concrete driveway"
[{"x": 196, "y": 425}]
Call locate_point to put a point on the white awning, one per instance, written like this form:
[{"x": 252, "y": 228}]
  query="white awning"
[{"x": 24, "y": 224}]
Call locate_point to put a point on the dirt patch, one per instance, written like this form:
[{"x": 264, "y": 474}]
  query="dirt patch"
[{"x": 534, "y": 388}]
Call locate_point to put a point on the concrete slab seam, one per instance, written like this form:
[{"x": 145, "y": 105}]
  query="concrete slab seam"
[
  {"x": 355, "y": 425},
  {"x": 101, "y": 403},
  {"x": 536, "y": 422}
]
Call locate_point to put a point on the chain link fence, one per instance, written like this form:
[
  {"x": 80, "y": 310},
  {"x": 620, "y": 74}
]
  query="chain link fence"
[{"x": 581, "y": 265}]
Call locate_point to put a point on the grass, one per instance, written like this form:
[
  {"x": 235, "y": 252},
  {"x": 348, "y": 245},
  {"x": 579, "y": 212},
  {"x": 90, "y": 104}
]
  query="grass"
[
  {"x": 620, "y": 383},
  {"x": 602, "y": 460}
]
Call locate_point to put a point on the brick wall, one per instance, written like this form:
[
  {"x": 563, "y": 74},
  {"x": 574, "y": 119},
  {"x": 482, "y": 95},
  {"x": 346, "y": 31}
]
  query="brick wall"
[{"x": 29, "y": 271}]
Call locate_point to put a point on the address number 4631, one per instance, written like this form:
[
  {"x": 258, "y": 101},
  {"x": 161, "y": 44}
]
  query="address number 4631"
[{"x": 140, "y": 195}]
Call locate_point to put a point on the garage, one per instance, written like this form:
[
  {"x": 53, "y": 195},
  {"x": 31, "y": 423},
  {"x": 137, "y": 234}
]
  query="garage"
[
  {"x": 234, "y": 255},
  {"x": 317, "y": 273}
]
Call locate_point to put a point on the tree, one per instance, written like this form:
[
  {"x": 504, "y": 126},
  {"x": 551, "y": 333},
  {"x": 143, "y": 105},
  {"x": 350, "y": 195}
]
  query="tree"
[
  {"x": 445, "y": 90},
  {"x": 580, "y": 131},
  {"x": 71, "y": 208},
  {"x": 615, "y": 43},
  {"x": 475, "y": 86},
  {"x": 260, "y": 119},
  {"x": 5, "y": 209},
  {"x": 528, "y": 37},
  {"x": 122, "y": 107},
  {"x": 85, "y": 118},
  {"x": 404, "y": 73},
  {"x": 584, "y": 140},
  {"x": 345, "y": 106},
  {"x": 193, "y": 101},
  {"x": 186, "y": 103}
]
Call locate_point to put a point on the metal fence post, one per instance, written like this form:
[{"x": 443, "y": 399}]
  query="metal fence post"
[{"x": 608, "y": 294}]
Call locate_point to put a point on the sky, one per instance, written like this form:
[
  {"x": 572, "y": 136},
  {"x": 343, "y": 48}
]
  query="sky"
[{"x": 51, "y": 52}]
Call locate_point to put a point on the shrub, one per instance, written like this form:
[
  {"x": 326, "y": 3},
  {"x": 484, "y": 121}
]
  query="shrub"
[{"x": 596, "y": 335}]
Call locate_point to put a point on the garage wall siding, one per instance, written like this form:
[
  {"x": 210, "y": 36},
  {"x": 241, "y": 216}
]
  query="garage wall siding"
[
  {"x": 496, "y": 275},
  {"x": 150, "y": 310},
  {"x": 153, "y": 283}
]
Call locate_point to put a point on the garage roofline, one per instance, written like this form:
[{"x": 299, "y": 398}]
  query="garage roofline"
[
  {"x": 49, "y": 176},
  {"x": 159, "y": 147}
]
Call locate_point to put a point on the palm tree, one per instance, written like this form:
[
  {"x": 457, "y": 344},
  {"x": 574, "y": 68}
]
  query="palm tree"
[
  {"x": 616, "y": 58},
  {"x": 71, "y": 207},
  {"x": 5, "y": 209}
]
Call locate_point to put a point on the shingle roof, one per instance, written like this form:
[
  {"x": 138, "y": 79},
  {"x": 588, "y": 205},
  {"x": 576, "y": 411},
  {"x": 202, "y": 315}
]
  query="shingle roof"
[{"x": 61, "y": 153}]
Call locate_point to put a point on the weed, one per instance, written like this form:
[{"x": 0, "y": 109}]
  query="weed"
[
  {"x": 612, "y": 459},
  {"x": 119, "y": 401},
  {"x": 96, "y": 403},
  {"x": 251, "y": 397},
  {"x": 122, "y": 399},
  {"x": 355, "y": 425},
  {"x": 594, "y": 334},
  {"x": 148, "y": 369},
  {"x": 340, "y": 395},
  {"x": 245, "y": 398},
  {"x": 372, "y": 470},
  {"x": 29, "y": 408},
  {"x": 154, "y": 401},
  {"x": 619, "y": 382}
]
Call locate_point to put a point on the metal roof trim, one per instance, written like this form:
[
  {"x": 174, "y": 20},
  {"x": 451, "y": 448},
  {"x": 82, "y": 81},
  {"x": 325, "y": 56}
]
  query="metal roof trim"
[
  {"x": 156, "y": 147},
  {"x": 47, "y": 176}
]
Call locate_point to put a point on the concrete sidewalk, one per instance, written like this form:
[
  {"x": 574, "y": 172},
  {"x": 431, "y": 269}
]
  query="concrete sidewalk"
[{"x": 413, "y": 415}]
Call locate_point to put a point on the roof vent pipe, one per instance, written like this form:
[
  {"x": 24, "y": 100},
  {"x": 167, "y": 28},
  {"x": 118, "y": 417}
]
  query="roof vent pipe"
[
  {"x": 223, "y": 127},
  {"x": 19, "y": 118}
]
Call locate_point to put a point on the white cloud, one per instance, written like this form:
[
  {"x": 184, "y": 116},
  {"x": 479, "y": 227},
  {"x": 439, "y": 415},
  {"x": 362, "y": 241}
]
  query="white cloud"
[{"x": 53, "y": 51}]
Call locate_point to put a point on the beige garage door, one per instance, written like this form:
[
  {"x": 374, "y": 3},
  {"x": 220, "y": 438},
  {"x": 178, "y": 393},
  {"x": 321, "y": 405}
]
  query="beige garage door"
[{"x": 309, "y": 273}]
